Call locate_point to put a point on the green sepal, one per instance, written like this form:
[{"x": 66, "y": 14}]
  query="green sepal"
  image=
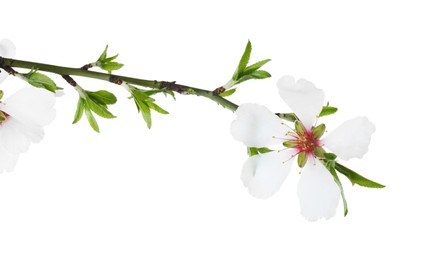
[
  {"x": 2, "y": 116},
  {"x": 290, "y": 143},
  {"x": 302, "y": 159},
  {"x": 355, "y": 178},
  {"x": 331, "y": 169},
  {"x": 299, "y": 127},
  {"x": 319, "y": 152},
  {"x": 1, "y": 94},
  {"x": 330, "y": 156},
  {"x": 255, "y": 151},
  {"x": 318, "y": 131},
  {"x": 228, "y": 92},
  {"x": 40, "y": 80},
  {"x": 327, "y": 110}
]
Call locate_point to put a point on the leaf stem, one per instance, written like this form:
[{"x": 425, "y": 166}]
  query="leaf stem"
[{"x": 182, "y": 89}]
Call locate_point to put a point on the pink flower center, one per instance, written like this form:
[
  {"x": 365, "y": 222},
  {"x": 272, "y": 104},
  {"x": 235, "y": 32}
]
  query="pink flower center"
[{"x": 306, "y": 142}]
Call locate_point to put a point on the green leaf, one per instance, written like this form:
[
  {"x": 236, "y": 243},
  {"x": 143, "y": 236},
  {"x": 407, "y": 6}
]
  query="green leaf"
[
  {"x": 327, "y": 110},
  {"x": 356, "y": 178},
  {"x": 1, "y": 94},
  {"x": 79, "y": 110},
  {"x": 330, "y": 156},
  {"x": 157, "y": 108},
  {"x": 146, "y": 114},
  {"x": 99, "y": 109},
  {"x": 91, "y": 119},
  {"x": 244, "y": 61},
  {"x": 228, "y": 92},
  {"x": 338, "y": 182},
  {"x": 255, "y": 151},
  {"x": 104, "y": 54},
  {"x": 252, "y": 68},
  {"x": 260, "y": 74},
  {"x": 111, "y": 58},
  {"x": 102, "y": 97},
  {"x": 39, "y": 80},
  {"x": 111, "y": 66}
]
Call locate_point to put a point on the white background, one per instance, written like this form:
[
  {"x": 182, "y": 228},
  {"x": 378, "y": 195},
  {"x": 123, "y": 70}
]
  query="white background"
[{"x": 173, "y": 192}]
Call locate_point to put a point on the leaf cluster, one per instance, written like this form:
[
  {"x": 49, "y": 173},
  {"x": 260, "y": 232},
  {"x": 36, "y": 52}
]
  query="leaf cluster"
[
  {"x": 107, "y": 63},
  {"x": 244, "y": 72},
  {"x": 145, "y": 103},
  {"x": 94, "y": 102},
  {"x": 40, "y": 80}
]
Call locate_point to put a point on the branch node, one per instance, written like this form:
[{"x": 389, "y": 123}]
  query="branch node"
[
  {"x": 70, "y": 80},
  {"x": 219, "y": 90},
  {"x": 115, "y": 80},
  {"x": 9, "y": 70},
  {"x": 87, "y": 66}
]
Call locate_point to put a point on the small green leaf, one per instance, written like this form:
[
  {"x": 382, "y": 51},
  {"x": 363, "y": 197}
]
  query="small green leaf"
[
  {"x": 79, "y": 110},
  {"x": 1, "y": 94},
  {"x": 244, "y": 60},
  {"x": 111, "y": 58},
  {"x": 255, "y": 151},
  {"x": 104, "y": 54},
  {"x": 102, "y": 97},
  {"x": 327, "y": 110},
  {"x": 356, "y": 178},
  {"x": 39, "y": 80},
  {"x": 252, "y": 68},
  {"x": 91, "y": 119},
  {"x": 146, "y": 114},
  {"x": 111, "y": 66},
  {"x": 260, "y": 74},
  {"x": 228, "y": 92},
  {"x": 99, "y": 109},
  {"x": 338, "y": 182},
  {"x": 157, "y": 108}
]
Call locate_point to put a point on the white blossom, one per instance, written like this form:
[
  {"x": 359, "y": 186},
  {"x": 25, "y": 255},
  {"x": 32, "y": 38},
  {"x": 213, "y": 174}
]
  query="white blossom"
[{"x": 263, "y": 174}]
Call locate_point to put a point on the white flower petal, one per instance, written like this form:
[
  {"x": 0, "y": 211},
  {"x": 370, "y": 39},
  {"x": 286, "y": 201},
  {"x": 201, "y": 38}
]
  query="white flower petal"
[
  {"x": 12, "y": 138},
  {"x": 7, "y": 50},
  {"x": 305, "y": 100},
  {"x": 256, "y": 125},
  {"x": 31, "y": 106},
  {"x": 351, "y": 139},
  {"x": 7, "y": 160},
  {"x": 317, "y": 191},
  {"x": 263, "y": 174}
]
